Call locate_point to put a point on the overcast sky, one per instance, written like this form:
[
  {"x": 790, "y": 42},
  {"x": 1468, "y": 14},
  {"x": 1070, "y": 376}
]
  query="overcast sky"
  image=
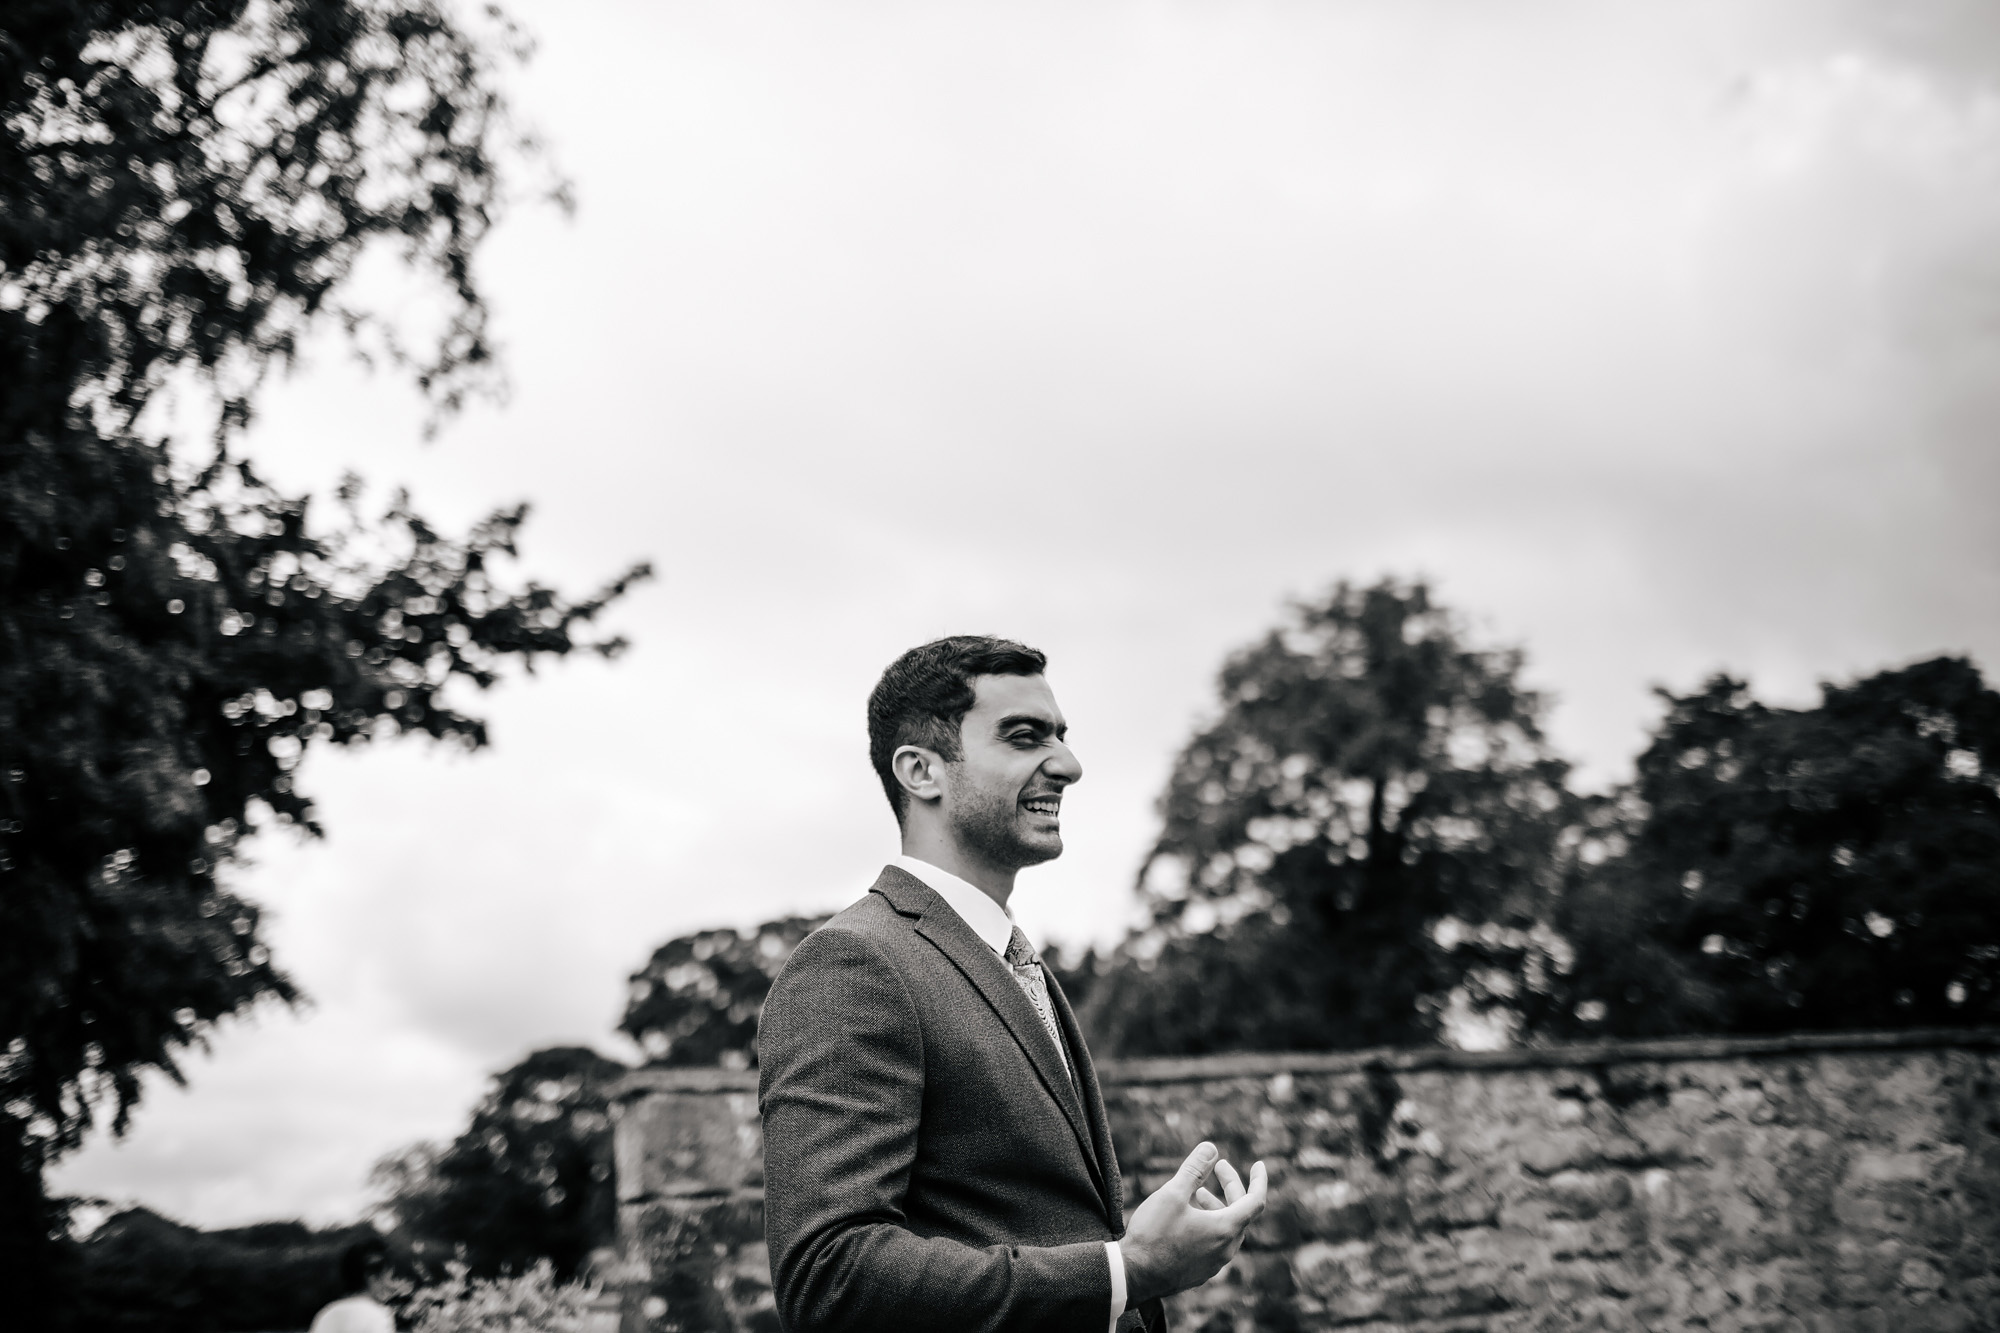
[{"x": 1661, "y": 337}]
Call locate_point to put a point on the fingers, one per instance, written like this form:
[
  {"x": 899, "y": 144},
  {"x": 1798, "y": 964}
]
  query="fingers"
[
  {"x": 1241, "y": 1211},
  {"x": 1193, "y": 1171},
  {"x": 1204, "y": 1200},
  {"x": 1232, "y": 1184}
]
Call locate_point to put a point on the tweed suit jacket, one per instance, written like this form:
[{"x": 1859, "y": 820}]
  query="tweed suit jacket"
[{"x": 927, "y": 1162}]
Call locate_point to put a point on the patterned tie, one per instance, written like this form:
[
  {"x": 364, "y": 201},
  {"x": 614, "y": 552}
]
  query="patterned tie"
[{"x": 1026, "y": 966}]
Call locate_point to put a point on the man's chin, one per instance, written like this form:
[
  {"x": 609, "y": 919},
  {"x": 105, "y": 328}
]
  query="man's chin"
[
  {"x": 1046, "y": 847},
  {"x": 1004, "y": 842}
]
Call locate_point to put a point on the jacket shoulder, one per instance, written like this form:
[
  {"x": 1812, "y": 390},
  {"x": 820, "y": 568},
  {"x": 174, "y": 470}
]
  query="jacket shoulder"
[
  {"x": 869, "y": 928},
  {"x": 870, "y": 914},
  {"x": 845, "y": 981}
]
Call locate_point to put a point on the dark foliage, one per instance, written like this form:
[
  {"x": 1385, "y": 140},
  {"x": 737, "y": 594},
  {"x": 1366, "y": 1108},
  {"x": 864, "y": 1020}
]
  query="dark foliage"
[
  {"x": 696, "y": 1001},
  {"x": 530, "y": 1178},
  {"x": 1366, "y": 844},
  {"x": 1829, "y": 867},
  {"x": 36, "y": 1262},
  {"x": 188, "y": 183},
  {"x": 152, "y": 719},
  {"x": 141, "y": 1273},
  {"x": 184, "y": 187}
]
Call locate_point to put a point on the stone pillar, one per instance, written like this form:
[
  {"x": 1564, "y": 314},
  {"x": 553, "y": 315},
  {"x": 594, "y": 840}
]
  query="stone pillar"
[{"x": 690, "y": 1162}]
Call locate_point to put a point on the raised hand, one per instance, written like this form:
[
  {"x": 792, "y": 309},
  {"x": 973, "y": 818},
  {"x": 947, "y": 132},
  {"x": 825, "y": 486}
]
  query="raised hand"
[{"x": 1182, "y": 1235}]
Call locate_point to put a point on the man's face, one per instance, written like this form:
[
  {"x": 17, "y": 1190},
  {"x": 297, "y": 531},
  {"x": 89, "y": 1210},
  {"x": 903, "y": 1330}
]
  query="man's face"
[{"x": 1003, "y": 798}]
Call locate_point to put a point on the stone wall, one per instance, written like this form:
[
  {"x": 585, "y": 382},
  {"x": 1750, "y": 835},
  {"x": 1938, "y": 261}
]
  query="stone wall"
[{"x": 1823, "y": 1182}]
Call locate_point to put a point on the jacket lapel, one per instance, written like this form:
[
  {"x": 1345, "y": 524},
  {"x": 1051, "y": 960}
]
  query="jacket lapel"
[
  {"x": 947, "y": 931},
  {"x": 1109, "y": 1177}
]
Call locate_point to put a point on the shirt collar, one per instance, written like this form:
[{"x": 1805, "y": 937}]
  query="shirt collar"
[{"x": 988, "y": 919}]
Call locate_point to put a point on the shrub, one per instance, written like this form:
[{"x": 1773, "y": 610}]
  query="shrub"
[{"x": 530, "y": 1302}]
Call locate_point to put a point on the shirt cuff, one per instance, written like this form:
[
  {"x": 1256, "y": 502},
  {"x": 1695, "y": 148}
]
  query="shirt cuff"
[{"x": 1117, "y": 1260}]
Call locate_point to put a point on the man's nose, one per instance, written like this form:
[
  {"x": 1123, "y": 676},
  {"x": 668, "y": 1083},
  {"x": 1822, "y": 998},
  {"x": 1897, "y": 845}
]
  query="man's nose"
[{"x": 1063, "y": 764}]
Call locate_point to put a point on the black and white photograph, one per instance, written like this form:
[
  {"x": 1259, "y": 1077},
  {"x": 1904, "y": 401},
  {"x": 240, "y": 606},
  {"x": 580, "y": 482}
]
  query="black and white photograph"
[{"x": 1063, "y": 666}]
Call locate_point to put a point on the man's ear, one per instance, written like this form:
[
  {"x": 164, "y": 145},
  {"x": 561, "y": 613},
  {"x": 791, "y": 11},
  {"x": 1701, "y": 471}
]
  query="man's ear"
[{"x": 919, "y": 771}]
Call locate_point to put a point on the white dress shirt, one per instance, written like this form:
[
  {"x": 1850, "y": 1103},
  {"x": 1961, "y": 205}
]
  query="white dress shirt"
[
  {"x": 354, "y": 1314},
  {"x": 995, "y": 928}
]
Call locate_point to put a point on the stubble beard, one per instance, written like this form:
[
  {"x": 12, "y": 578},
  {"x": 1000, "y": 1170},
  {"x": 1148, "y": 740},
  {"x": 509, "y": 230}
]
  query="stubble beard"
[{"x": 989, "y": 826}]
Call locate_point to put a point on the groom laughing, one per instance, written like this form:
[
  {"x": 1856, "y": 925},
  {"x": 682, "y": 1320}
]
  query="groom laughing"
[{"x": 936, "y": 1153}]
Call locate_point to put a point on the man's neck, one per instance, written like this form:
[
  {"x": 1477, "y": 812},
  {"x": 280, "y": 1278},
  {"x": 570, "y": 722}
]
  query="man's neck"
[{"x": 934, "y": 849}]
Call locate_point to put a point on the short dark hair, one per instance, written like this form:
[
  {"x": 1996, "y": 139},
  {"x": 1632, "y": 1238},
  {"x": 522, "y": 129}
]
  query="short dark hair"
[
  {"x": 361, "y": 1261},
  {"x": 923, "y": 697}
]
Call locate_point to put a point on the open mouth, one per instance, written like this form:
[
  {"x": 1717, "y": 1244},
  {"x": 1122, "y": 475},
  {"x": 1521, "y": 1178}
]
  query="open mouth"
[{"x": 1044, "y": 805}]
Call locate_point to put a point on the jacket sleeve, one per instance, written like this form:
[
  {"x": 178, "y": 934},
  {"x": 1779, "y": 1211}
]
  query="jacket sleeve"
[{"x": 841, "y": 1086}]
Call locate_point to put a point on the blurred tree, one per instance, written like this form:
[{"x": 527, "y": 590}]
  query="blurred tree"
[
  {"x": 1829, "y": 867},
  {"x": 529, "y": 1179},
  {"x": 184, "y": 187},
  {"x": 142, "y": 1273},
  {"x": 696, "y": 1001},
  {"x": 1365, "y": 848}
]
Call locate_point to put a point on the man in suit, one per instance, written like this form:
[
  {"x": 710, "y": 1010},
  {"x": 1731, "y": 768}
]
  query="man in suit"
[{"x": 936, "y": 1154}]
